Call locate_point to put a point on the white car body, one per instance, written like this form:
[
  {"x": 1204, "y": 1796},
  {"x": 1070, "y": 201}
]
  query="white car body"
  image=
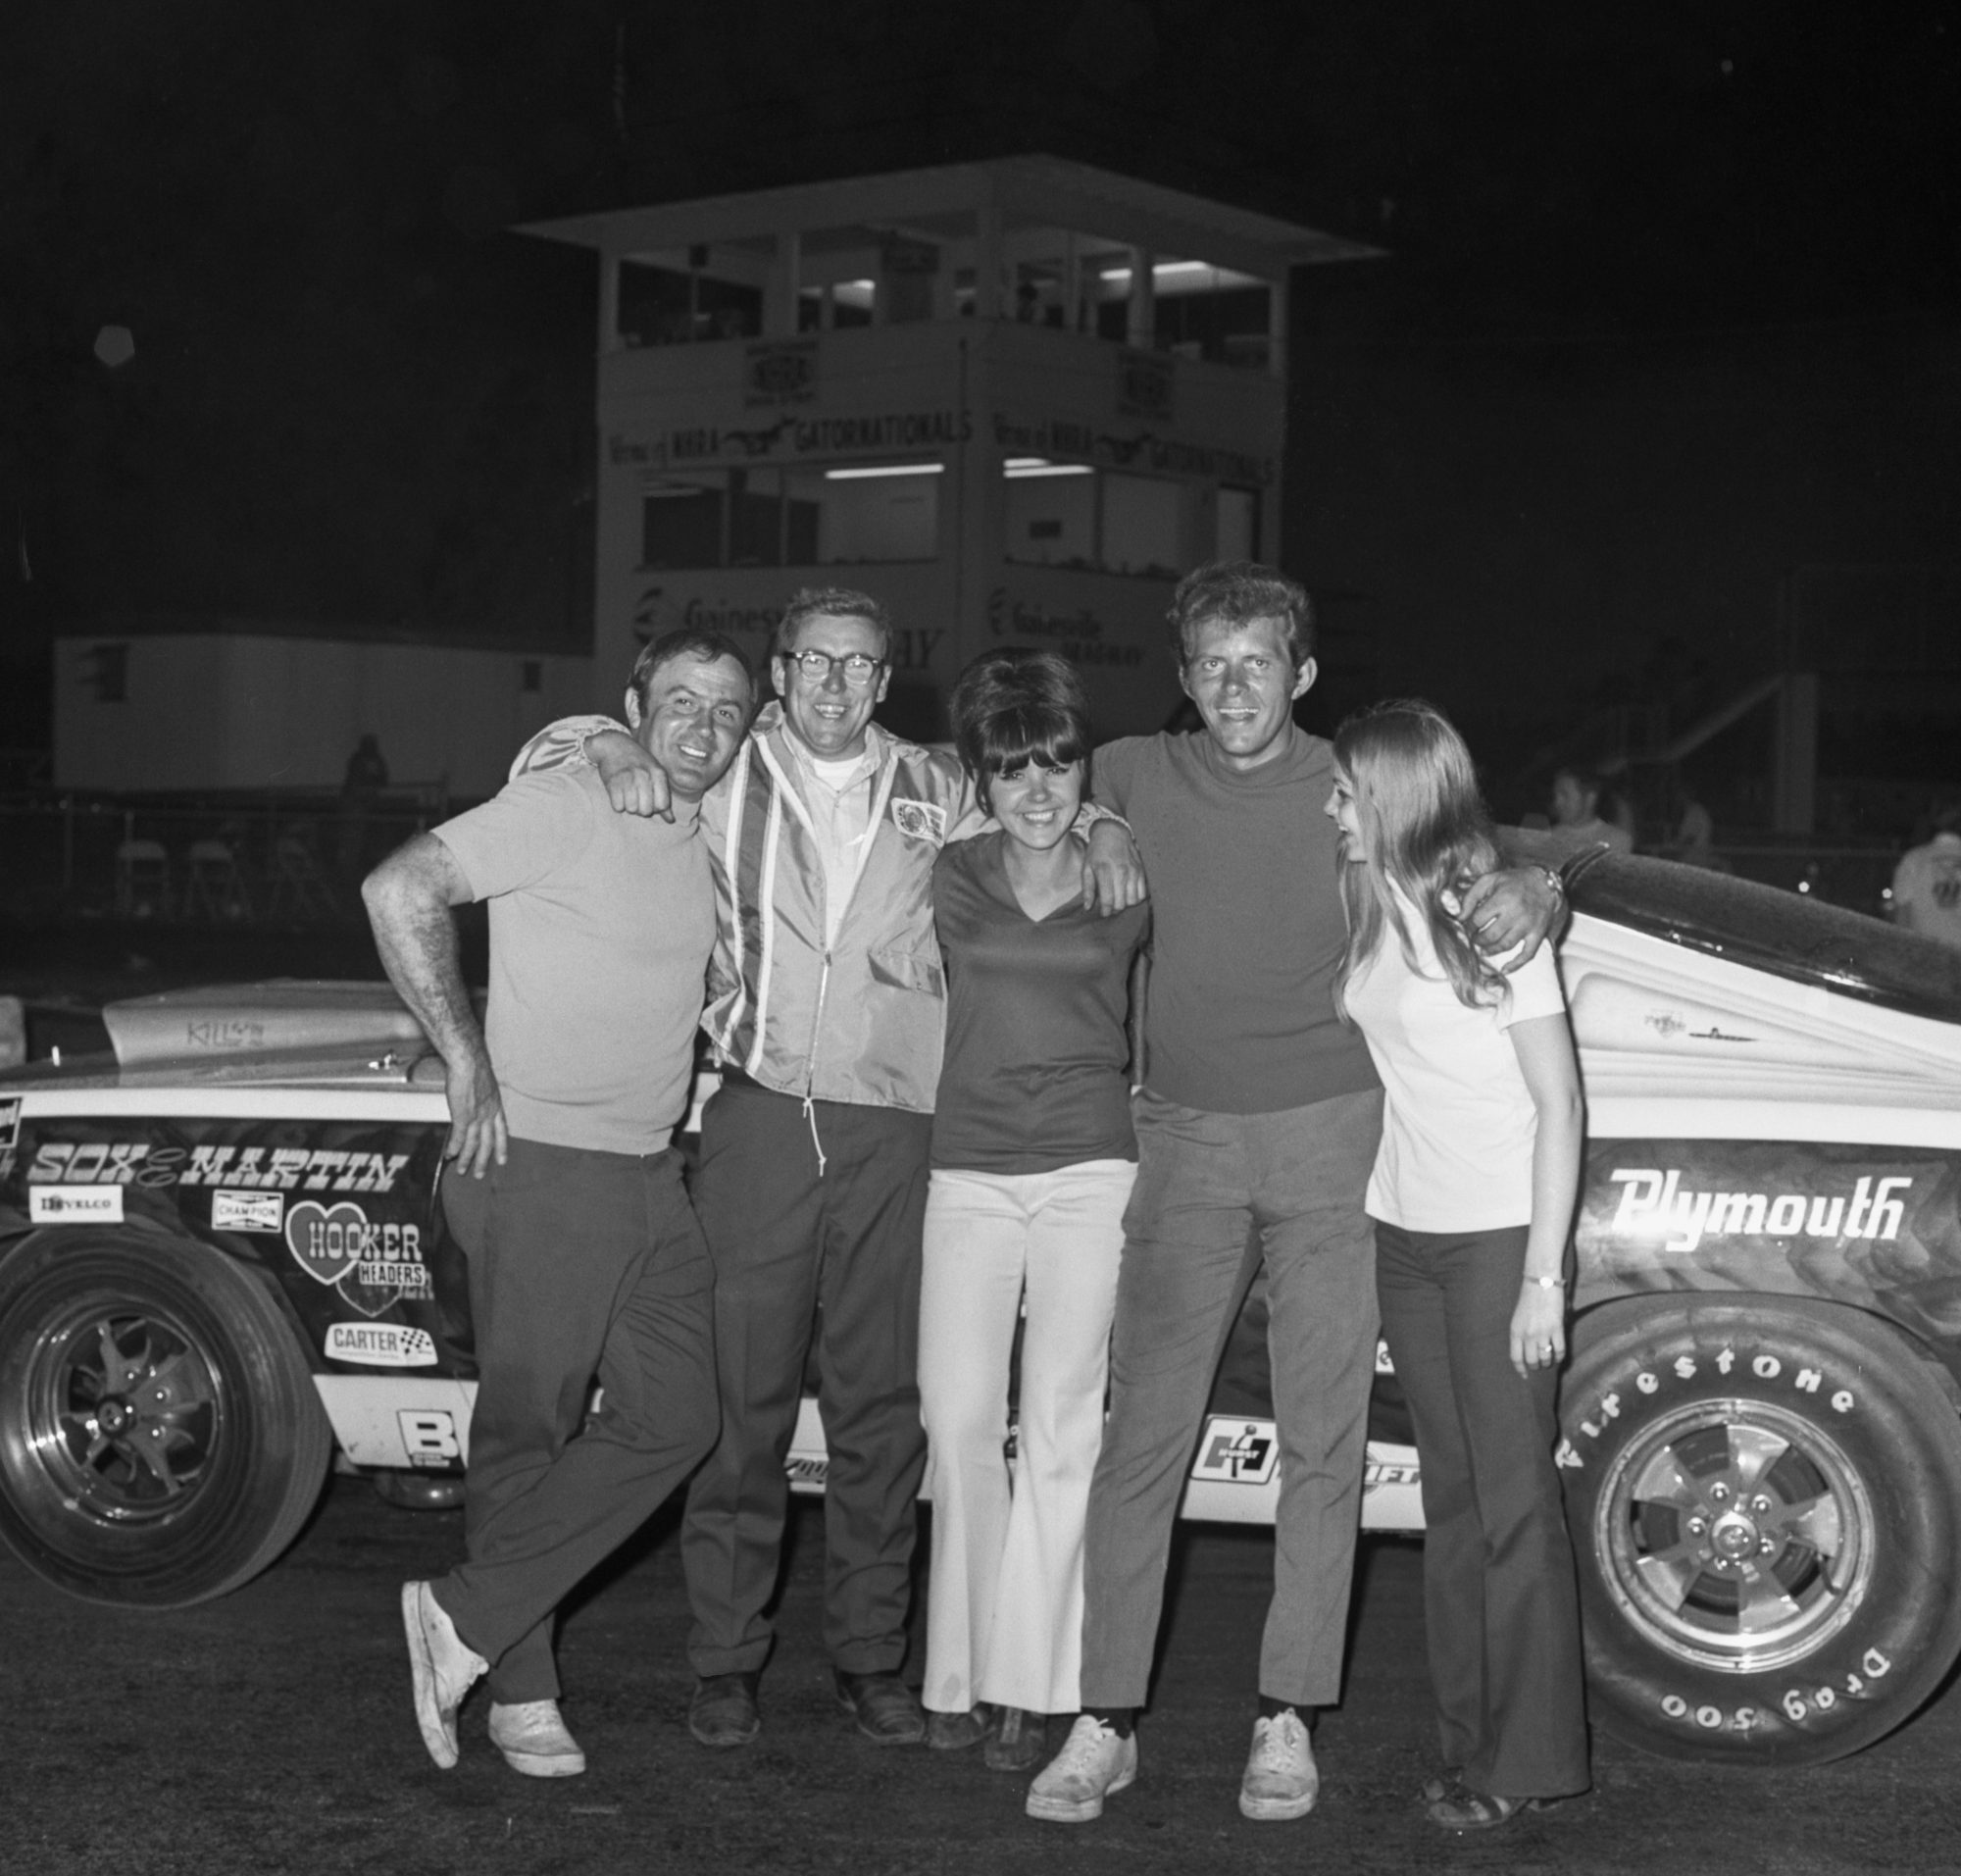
[{"x": 237, "y": 1217}]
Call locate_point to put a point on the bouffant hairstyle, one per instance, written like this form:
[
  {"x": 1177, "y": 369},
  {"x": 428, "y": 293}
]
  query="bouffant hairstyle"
[{"x": 1014, "y": 706}]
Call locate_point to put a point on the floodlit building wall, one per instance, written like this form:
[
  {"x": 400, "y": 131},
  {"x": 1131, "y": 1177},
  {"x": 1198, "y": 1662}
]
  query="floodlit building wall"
[
  {"x": 965, "y": 551},
  {"x": 988, "y": 395},
  {"x": 210, "y": 711}
]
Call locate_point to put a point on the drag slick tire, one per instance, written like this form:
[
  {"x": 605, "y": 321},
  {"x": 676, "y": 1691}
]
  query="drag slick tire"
[
  {"x": 1765, "y": 1501},
  {"x": 160, "y": 1439}
]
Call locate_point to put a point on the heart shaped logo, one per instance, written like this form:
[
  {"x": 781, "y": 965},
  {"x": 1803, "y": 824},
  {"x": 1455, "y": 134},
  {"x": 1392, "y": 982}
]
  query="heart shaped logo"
[
  {"x": 327, "y": 1243},
  {"x": 370, "y": 1299}
]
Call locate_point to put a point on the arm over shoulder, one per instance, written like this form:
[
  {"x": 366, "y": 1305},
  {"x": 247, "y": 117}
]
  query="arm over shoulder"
[
  {"x": 562, "y": 744},
  {"x": 1113, "y": 769}
]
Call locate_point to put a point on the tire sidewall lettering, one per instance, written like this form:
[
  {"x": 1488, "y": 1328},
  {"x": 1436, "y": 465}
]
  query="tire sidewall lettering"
[
  {"x": 1871, "y": 1414},
  {"x": 1595, "y": 1419},
  {"x": 1596, "y": 1416}
]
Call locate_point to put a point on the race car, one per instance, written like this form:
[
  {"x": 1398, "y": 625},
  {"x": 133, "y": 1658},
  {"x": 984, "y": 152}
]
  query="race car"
[{"x": 224, "y": 1261}]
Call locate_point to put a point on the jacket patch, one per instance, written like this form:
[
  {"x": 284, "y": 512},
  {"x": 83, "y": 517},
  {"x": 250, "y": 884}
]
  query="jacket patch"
[{"x": 920, "y": 821}]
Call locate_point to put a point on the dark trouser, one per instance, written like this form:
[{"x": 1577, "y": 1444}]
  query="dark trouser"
[
  {"x": 1499, "y": 1603},
  {"x": 787, "y": 1240},
  {"x": 1294, "y": 1181},
  {"x": 580, "y": 1265}
]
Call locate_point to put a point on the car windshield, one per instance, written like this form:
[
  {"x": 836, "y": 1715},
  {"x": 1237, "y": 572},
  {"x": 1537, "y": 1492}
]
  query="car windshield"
[{"x": 1771, "y": 930}]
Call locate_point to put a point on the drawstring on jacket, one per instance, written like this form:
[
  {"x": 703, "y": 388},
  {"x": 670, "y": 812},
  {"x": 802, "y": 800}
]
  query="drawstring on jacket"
[{"x": 809, "y": 1114}]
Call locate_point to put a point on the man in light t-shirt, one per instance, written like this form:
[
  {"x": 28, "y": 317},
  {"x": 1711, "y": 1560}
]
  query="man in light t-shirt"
[
  {"x": 563, "y": 1188},
  {"x": 1926, "y": 882}
]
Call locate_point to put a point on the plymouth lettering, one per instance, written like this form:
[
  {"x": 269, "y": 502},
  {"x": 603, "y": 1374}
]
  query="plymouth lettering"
[{"x": 1654, "y": 1204}]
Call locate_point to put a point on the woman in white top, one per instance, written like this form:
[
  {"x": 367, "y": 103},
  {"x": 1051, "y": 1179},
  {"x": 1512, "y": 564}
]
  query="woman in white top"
[{"x": 1473, "y": 1194}]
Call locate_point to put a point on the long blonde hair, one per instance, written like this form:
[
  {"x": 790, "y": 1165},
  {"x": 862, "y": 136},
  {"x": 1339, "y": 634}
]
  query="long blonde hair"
[{"x": 1427, "y": 834}]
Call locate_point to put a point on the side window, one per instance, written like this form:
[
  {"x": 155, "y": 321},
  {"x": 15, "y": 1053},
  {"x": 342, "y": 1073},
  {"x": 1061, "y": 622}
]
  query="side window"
[{"x": 802, "y": 516}]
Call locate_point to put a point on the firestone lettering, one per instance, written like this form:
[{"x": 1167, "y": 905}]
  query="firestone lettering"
[{"x": 1654, "y": 1203}]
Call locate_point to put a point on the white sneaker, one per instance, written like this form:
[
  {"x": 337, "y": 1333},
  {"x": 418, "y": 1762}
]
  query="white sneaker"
[
  {"x": 1093, "y": 1763},
  {"x": 444, "y": 1667},
  {"x": 1282, "y": 1780},
  {"x": 533, "y": 1740}
]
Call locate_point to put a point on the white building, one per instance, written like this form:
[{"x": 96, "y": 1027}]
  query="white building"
[
  {"x": 1012, "y": 399},
  {"x": 217, "y": 706}
]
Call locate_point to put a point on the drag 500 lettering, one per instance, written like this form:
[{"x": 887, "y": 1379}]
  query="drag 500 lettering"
[{"x": 218, "y": 1265}]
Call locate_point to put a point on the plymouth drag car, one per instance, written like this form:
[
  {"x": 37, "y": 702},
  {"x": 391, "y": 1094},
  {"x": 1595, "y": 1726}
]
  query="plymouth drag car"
[{"x": 223, "y": 1262}]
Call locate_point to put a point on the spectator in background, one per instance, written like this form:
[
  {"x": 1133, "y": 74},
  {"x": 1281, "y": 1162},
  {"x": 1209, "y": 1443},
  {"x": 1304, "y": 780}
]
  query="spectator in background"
[
  {"x": 1577, "y": 819},
  {"x": 361, "y": 786},
  {"x": 1926, "y": 882},
  {"x": 1695, "y": 840},
  {"x": 1618, "y": 810}
]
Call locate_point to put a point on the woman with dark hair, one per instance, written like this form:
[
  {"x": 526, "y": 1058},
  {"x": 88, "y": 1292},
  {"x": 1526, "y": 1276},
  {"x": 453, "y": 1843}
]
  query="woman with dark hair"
[
  {"x": 1033, "y": 1160},
  {"x": 1472, "y": 1193}
]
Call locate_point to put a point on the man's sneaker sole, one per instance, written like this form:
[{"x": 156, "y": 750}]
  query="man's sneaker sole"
[
  {"x": 440, "y": 1737},
  {"x": 1078, "y": 1811},
  {"x": 1275, "y": 1810},
  {"x": 544, "y": 1764}
]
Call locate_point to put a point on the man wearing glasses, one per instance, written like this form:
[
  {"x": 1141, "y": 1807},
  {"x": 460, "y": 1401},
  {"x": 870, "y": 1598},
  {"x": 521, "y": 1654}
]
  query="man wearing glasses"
[{"x": 825, "y": 1003}]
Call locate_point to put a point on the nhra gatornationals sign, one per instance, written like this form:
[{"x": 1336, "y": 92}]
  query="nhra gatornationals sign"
[{"x": 1875, "y": 1225}]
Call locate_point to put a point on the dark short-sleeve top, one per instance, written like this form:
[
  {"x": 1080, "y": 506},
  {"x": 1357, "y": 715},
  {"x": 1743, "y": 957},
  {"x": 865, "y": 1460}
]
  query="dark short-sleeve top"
[
  {"x": 1036, "y": 1075},
  {"x": 1246, "y": 924}
]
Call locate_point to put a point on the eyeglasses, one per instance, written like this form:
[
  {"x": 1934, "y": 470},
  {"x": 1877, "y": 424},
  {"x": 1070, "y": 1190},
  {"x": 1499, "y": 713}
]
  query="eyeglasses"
[{"x": 817, "y": 666}]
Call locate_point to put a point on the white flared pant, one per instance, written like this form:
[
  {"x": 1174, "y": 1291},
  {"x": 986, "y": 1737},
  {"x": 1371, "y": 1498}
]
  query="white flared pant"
[{"x": 1004, "y": 1618}]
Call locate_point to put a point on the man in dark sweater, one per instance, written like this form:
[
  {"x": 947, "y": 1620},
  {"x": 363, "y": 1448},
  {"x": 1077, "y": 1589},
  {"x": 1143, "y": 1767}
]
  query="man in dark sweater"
[{"x": 1257, "y": 1126}]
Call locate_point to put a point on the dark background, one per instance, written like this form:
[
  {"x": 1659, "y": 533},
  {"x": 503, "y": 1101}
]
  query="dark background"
[{"x": 1669, "y": 312}]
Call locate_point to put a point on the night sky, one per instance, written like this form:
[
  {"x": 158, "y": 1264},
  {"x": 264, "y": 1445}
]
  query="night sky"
[{"x": 1671, "y": 308}]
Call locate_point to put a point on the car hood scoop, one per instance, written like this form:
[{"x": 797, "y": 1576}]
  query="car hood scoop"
[{"x": 228, "y": 1022}]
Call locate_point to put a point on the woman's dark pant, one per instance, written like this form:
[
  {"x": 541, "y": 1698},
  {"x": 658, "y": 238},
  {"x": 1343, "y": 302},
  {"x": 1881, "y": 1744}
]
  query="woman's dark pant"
[{"x": 1499, "y": 1599}]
